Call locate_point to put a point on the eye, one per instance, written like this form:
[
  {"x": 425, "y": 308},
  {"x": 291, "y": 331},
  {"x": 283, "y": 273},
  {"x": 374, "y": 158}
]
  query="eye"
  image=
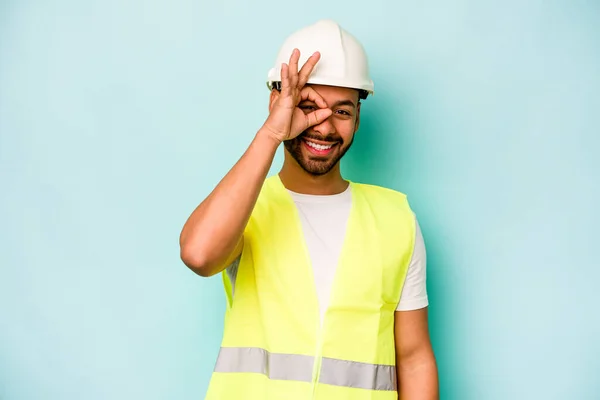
[
  {"x": 344, "y": 113},
  {"x": 307, "y": 107}
]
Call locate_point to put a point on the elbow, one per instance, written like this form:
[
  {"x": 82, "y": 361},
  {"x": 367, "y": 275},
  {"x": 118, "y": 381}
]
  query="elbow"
[{"x": 196, "y": 261}]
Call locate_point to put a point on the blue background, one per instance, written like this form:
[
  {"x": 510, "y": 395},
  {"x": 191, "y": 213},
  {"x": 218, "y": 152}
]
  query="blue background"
[{"x": 118, "y": 118}]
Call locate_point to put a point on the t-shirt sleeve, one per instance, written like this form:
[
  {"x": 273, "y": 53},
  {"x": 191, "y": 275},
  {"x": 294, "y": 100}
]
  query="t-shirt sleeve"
[{"x": 414, "y": 292}]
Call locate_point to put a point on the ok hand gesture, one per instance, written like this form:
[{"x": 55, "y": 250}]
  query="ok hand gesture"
[{"x": 286, "y": 120}]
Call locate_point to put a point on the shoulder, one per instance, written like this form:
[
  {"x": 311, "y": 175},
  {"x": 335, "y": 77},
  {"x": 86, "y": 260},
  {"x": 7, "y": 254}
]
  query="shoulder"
[
  {"x": 381, "y": 193},
  {"x": 271, "y": 191},
  {"x": 384, "y": 203}
]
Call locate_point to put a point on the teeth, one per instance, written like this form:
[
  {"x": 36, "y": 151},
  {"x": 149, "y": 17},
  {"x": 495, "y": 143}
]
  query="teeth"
[{"x": 318, "y": 146}]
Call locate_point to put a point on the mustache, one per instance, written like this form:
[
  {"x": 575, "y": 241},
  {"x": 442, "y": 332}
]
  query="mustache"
[{"x": 332, "y": 138}]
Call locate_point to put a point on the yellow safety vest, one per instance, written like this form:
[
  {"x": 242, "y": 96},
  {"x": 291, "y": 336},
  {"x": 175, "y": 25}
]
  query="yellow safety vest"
[{"x": 274, "y": 345}]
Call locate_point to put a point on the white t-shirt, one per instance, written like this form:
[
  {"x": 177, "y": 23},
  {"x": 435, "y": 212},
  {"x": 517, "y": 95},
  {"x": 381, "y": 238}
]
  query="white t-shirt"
[{"x": 324, "y": 225}]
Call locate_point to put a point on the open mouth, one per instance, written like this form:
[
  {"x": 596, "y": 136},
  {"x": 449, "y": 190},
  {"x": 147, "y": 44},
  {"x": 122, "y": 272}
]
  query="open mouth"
[{"x": 319, "y": 148}]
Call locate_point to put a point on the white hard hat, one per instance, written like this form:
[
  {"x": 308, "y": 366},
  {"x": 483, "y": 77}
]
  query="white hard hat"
[{"x": 343, "y": 59}]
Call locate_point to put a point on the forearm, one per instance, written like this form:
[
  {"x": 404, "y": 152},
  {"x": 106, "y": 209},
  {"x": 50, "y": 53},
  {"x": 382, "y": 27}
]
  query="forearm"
[
  {"x": 418, "y": 377},
  {"x": 214, "y": 229}
]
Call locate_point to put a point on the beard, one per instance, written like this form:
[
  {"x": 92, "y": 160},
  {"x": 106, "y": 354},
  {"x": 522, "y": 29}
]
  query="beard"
[{"x": 313, "y": 164}]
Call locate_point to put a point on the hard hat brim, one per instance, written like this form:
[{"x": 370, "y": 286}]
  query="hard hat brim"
[{"x": 325, "y": 81}]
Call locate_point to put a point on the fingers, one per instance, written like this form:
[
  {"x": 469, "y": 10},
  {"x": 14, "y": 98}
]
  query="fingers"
[
  {"x": 289, "y": 73},
  {"x": 291, "y": 77},
  {"x": 285, "y": 81},
  {"x": 307, "y": 68},
  {"x": 318, "y": 116},
  {"x": 308, "y": 93},
  {"x": 293, "y": 68}
]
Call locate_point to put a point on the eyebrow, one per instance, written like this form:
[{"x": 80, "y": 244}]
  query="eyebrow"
[
  {"x": 336, "y": 104},
  {"x": 344, "y": 103}
]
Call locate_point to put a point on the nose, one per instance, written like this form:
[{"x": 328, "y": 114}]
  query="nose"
[{"x": 325, "y": 128}]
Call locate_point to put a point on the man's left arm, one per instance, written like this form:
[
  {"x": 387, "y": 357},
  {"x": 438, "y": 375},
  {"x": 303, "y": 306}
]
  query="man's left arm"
[{"x": 415, "y": 361}]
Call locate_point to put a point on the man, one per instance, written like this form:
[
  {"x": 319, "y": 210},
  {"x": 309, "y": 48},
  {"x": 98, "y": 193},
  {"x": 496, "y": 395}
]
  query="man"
[{"x": 325, "y": 278}]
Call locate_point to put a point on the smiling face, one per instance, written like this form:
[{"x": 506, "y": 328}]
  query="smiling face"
[{"x": 319, "y": 149}]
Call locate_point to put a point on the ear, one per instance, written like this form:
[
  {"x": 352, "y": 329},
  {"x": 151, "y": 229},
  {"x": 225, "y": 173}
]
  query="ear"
[
  {"x": 356, "y": 125},
  {"x": 272, "y": 98}
]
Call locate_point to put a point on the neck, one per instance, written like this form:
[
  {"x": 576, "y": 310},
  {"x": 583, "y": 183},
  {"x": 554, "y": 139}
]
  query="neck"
[{"x": 296, "y": 179}]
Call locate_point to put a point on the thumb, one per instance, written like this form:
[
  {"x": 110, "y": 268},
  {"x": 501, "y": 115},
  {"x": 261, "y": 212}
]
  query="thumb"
[{"x": 318, "y": 116}]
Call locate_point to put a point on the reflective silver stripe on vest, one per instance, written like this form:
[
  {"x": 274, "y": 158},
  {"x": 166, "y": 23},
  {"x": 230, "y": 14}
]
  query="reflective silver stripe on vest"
[
  {"x": 357, "y": 375},
  {"x": 296, "y": 367},
  {"x": 289, "y": 367}
]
